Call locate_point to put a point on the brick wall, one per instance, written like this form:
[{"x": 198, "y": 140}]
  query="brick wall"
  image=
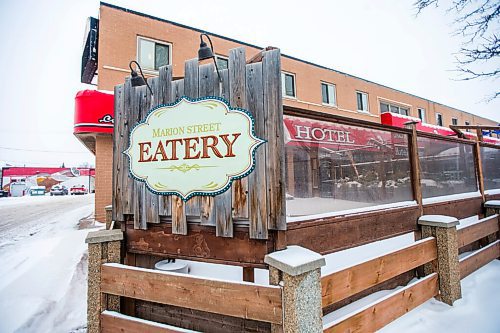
[{"x": 104, "y": 175}]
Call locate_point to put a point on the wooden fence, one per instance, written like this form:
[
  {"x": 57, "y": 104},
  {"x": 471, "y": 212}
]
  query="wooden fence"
[{"x": 236, "y": 299}]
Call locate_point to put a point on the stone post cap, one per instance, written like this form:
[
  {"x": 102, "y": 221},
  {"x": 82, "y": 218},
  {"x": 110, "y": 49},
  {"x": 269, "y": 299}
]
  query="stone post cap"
[
  {"x": 295, "y": 260},
  {"x": 103, "y": 236},
  {"x": 492, "y": 204},
  {"x": 110, "y": 207},
  {"x": 441, "y": 221}
]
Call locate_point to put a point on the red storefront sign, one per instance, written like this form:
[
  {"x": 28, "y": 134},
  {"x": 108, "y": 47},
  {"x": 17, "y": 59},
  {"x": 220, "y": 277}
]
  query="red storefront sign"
[{"x": 94, "y": 112}]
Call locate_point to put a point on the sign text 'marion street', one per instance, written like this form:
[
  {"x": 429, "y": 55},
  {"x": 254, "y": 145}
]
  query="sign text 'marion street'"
[{"x": 194, "y": 148}]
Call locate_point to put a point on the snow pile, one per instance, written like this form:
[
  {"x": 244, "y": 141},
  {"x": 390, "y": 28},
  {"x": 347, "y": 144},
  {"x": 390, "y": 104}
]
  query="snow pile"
[{"x": 44, "y": 284}]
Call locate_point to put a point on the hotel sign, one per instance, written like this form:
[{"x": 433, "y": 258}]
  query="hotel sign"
[{"x": 192, "y": 147}]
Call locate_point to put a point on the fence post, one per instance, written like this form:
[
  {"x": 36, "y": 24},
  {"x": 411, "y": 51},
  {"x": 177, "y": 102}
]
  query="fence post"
[
  {"x": 493, "y": 207},
  {"x": 298, "y": 270},
  {"x": 448, "y": 267},
  {"x": 104, "y": 247}
]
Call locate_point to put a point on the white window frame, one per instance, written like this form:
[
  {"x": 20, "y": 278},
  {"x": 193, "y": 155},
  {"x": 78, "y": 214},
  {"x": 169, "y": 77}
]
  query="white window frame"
[
  {"x": 138, "y": 52},
  {"x": 334, "y": 93},
  {"x": 394, "y": 104},
  {"x": 453, "y": 118},
  {"x": 421, "y": 111},
  {"x": 437, "y": 117},
  {"x": 283, "y": 89},
  {"x": 367, "y": 101}
]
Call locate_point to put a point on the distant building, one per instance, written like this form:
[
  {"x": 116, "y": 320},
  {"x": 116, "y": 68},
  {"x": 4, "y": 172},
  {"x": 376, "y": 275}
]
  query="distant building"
[{"x": 121, "y": 35}]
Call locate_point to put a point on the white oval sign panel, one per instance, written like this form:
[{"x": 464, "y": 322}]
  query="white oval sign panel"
[{"x": 193, "y": 147}]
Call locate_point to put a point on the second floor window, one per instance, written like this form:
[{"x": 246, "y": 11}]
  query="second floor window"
[
  {"x": 454, "y": 121},
  {"x": 152, "y": 54},
  {"x": 288, "y": 84},
  {"x": 439, "y": 119},
  {"x": 421, "y": 114},
  {"x": 328, "y": 94},
  {"x": 362, "y": 100},
  {"x": 386, "y": 107}
]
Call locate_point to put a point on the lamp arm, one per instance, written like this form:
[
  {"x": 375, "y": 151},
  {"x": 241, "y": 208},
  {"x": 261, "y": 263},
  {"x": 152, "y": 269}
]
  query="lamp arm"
[
  {"x": 142, "y": 74},
  {"x": 212, "y": 47}
]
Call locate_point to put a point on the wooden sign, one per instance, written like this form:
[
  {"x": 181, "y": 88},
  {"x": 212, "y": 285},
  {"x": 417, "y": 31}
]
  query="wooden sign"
[{"x": 193, "y": 147}]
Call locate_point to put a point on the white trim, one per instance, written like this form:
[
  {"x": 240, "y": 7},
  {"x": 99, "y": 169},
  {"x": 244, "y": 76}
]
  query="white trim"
[
  {"x": 444, "y": 198},
  {"x": 393, "y": 101},
  {"x": 492, "y": 191},
  {"x": 367, "y": 101},
  {"x": 116, "y": 69},
  {"x": 283, "y": 89},
  {"x": 170, "y": 47}
]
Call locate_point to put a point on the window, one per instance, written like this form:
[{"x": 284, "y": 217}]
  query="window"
[
  {"x": 439, "y": 119},
  {"x": 222, "y": 62},
  {"x": 328, "y": 94},
  {"x": 151, "y": 54},
  {"x": 421, "y": 114},
  {"x": 362, "y": 99},
  {"x": 454, "y": 121},
  {"x": 386, "y": 107},
  {"x": 288, "y": 84}
]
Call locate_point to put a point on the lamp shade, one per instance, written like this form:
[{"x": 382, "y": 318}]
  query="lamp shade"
[{"x": 204, "y": 52}]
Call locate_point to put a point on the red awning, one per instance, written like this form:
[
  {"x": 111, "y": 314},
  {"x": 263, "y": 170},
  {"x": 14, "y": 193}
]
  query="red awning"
[{"x": 94, "y": 112}]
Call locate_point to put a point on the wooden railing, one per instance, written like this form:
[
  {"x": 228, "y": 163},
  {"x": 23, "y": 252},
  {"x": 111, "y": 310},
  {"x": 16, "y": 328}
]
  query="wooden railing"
[
  {"x": 482, "y": 228},
  {"x": 350, "y": 281},
  {"x": 237, "y": 299}
]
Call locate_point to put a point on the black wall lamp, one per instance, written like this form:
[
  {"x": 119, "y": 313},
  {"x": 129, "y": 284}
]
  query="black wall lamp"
[
  {"x": 206, "y": 52},
  {"x": 136, "y": 80}
]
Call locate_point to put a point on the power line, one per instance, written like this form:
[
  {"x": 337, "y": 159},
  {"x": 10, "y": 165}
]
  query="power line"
[{"x": 45, "y": 151}]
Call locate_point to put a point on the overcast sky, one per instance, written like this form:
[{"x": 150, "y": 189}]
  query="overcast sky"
[{"x": 382, "y": 41}]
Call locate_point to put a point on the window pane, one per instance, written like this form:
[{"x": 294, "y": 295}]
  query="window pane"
[
  {"x": 446, "y": 167},
  {"x": 324, "y": 93},
  {"x": 289, "y": 85},
  {"x": 365, "y": 102},
  {"x": 222, "y": 63},
  {"x": 332, "y": 95},
  {"x": 146, "y": 54},
  {"x": 454, "y": 121},
  {"x": 394, "y": 109},
  {"x": 384, "y": 107},
  {"x": 421, "y": 114},
  {"x": 359, "y": 97},
  {"x": 333, "y": 167},
  {"x": 490, "y": 159},
  {"x": 161, "y": 55},
  {"x": 404, "y": 112},
  {"x": 439, "y": 119}
]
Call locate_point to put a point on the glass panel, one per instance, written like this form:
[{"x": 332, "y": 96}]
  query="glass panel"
[
  {"x": 454, "y": 121},
  {"x": 289, "y": 85},
  {"x": 421, "y": 114},
  {"x": 161, "y": 55},
  {"x": 332, "y": 95},
  {"x": 222, "y": 63},
  {"x": 365, "y": 102},
  {"x": 490, "y": 159},
  {"x": 439, "y": 120},
  {"x": 394, "y": 109},
  {"x": 333, "y": 167},
  {"x": 384, "y": 107},
  {"x": 324, "y": 93},
  {"x": 404, "y": 112},
  {"x": 359, "y": 97},
  {"x": 146, "y": 54},
  {"x": 446, "y": 167}
]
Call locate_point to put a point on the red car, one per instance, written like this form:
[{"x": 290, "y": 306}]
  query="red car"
[{"x": 78, "y": 189}]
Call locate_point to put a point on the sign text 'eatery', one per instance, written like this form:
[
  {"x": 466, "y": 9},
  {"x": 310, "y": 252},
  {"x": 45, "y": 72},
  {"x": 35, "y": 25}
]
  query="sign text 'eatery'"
[{"x": 192, "y": 147}]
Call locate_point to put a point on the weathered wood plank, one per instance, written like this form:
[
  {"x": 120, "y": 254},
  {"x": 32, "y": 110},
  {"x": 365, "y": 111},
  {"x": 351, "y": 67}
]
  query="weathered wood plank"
[
  {"x": 139, "y": 105},
  {"x": 476, "y": 231},
  {"x": 151, "y": 201},
  {"x": 388, "y": 309},
  {"x": 191, "y": 89},
  {"x": 164, "y": 97},
  {"x": 479, "y": 258},
  {"x": 208, "y": 86},
  {"x": 241, "y": 300},
  {"x": 258, "y": 205},
  {"x": 178, "y": 211},
  {"x": 237, "y": 98},
  {"x": 275, "y": 146},
  {"x": 352, "y": 280},
  {"x": 112, "y": 322},
  {"x": 128, "y": 183},
  {"x": 119, "y": 119}
]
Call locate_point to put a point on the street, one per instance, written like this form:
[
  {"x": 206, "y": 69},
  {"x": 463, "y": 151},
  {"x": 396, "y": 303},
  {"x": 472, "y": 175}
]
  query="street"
[{"x": 43, "y": 263}]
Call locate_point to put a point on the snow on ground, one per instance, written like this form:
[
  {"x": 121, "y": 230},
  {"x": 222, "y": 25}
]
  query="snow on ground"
[{"x": 43, "y": 263}]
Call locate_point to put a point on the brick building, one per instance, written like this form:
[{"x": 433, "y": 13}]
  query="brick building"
[{"x": 121, "y": 35}]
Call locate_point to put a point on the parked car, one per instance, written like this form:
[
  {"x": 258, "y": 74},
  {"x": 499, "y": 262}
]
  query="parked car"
[
  {"x": 78, "y": 189},
  {"x": 58, "y": 190},
  {"x": 37, "y": 190}
]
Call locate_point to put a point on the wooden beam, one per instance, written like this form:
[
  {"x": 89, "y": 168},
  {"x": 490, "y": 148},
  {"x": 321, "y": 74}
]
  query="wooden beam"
[
  {"x": 476, "y": 127},
  {"x": 476, "y": 231},
  {"x": 352, "y": 280},
  {"x": 112, "y": 322},
  {"x": 479, "y": 258},
  {"x": 242, "y": 300},
  {"x": 373, "y": 317},
  {"x": 479, "y": 168}
]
